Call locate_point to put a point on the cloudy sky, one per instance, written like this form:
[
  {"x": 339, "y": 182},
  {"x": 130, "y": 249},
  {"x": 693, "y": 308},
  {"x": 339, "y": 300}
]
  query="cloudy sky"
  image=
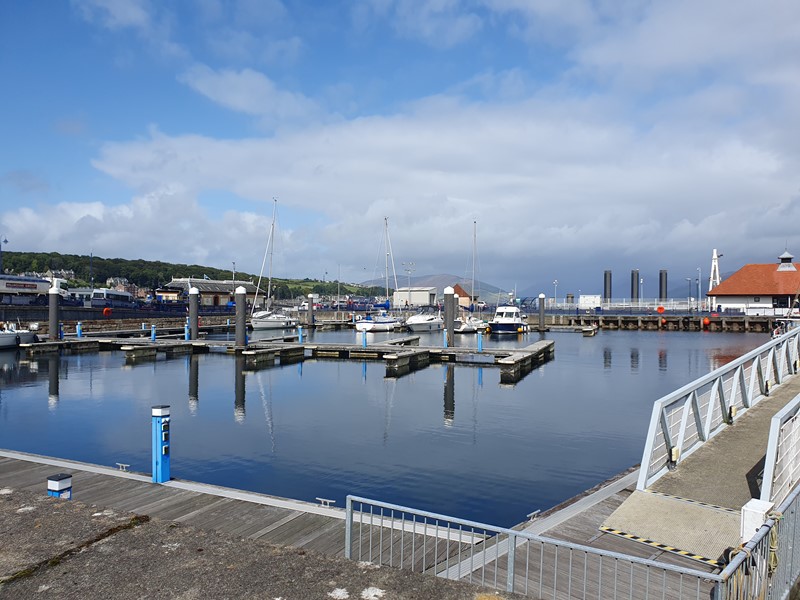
[{"x": 581, "y": 136}]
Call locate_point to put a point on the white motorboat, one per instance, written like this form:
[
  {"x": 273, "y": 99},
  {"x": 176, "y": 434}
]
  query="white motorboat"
[
  {"x": 425, "y": 322},
  {"x": 266, "y": 319},
  {"x": 468, "y": 324},
  {"x": 508, "y": 319},
  {"x": 380, "y": 322},
  {"x": 12, "y": 336}
]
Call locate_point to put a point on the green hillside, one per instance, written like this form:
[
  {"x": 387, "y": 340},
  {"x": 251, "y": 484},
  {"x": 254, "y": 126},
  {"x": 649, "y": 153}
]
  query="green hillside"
[{"x": 153, "y": 274}]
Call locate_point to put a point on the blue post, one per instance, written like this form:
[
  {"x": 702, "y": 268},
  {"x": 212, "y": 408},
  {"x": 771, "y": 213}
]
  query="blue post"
[
  {"x": 160, "y": 420},
  {"x": 153, "y": 332},
  {"x": 144, "y": 326},
  {"x": 186, "y": 331},
  {"x": 444, "y": 336},
  {"x": 79, "y": 329},
  {"x": 364, "y": 339},
  {"x": 480, "y": 342},
  {"x": 60, "y": 486},
  {"x": 300, "y": 334},
  {"x": 61, "y": 331}
]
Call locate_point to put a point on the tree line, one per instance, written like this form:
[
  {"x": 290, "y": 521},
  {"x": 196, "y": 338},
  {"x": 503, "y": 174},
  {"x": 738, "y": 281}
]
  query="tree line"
[{"x": 151, "y": 275}]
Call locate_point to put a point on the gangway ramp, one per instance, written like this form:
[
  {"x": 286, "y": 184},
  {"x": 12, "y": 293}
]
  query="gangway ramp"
[{"x": 695, "y": 509}]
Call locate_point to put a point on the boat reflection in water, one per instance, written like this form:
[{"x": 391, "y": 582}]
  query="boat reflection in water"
[{"x": 443, "y": 438}]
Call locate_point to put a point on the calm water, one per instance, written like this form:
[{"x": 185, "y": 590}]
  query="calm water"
[{"x": 448, "y": 439}]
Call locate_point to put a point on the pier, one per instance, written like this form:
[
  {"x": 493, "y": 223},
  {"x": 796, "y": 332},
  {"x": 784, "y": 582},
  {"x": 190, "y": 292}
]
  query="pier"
[{"x": 670, "y": 528}]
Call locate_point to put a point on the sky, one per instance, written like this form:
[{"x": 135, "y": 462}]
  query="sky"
[{"x": 572, "y": 137}]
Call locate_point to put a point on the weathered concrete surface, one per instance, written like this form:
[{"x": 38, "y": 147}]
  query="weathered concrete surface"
[{"x": 56, "y": 548}]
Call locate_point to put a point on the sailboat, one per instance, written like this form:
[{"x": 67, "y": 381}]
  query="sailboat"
[
  {"x": 467, "y": 323},
  {"x": 383, "y": 321},
  {"x": 266, "y": 318}
]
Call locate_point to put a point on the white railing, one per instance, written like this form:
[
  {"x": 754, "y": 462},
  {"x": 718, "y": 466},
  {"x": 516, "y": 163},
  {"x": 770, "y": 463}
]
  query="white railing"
[
  {"x": 507, "y": 559},
  {"x": 684, "y": 420},
  {"x": 782, "y": 462}
]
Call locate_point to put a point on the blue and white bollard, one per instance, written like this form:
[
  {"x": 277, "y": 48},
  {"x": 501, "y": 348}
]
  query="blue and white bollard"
[
  {"x": 79, "y": 330},
  {"x": 444, "y": 338},
  {"x": 364, "y": 339},
  {"x": 61, "y": 331},
  {"x": 480, "y": 341},
  {"x": 144, "y": 326},
  {"x": 186, "y": 331},
  {"x": 153, "y": 332},
  {"x": 300, "y": 334},
  {"x": 161, "y": 443},
  {"x": 60, "y": 486}
]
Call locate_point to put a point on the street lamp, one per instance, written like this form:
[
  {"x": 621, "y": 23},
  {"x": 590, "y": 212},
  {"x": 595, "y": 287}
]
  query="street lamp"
[
  {"x": 555, "y": 292},
  {"x": 641, "y": 291},
  {"x": 409, "y": 268},
  {"x": 3, "y": 240},
  {"x": 699, "y": 279},
  {"x": 689, "y": 297}
]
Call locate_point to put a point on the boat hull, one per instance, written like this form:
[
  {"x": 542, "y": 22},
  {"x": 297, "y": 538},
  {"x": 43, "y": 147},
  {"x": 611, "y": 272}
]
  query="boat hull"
[
  {"x": 506, "y": 328},
  {"x": 377, "y": 326},
  {"x": 12, "y": 339}
]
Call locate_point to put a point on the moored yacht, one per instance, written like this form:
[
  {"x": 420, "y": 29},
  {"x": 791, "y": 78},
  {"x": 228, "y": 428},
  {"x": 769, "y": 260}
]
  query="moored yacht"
[{"x": 507, "y": 319}]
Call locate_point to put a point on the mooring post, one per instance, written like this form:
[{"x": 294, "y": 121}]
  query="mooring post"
[
  {"x": 153, "y": 332},
  {"x": 310, "y": 310},
  {"x": 60, "y": 486},
  {"x": 194, "y": 311},
  {"x": 300, "y": 334},
  {"x": 480, "y": 341},
  {"x": 79, "y": 330},
  {"x": 364, "y": 339},
  {"x": 54, "y": 314},
  {"x": 541, "y": 312},
  {"x": 186, "y": 330},
  {"x": 160, "y": 423},
  {"x": 241, "y": 316},
  {"x": 60, "y": 331},
  {"x": 449, "y": 315}
]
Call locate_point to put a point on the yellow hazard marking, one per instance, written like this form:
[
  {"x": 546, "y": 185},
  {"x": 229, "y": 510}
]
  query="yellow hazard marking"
[
  {"x": 698, "y": 502},
  {"x": 636, "y": 538}
]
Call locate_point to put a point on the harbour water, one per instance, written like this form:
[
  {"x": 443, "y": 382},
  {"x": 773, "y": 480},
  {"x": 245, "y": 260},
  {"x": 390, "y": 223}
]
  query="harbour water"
[{"x": 449, "y": 439}]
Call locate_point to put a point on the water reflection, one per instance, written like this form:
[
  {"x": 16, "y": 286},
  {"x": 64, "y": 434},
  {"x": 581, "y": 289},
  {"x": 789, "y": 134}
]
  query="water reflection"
[
  {"x": 662, "y": 360},
  {"x": 634, "y": 359},
  {"x": 449, "y": 395},
  {"x": 239, "y": 386},
  {"x": 194, "y": 379},
  {"x": 606, "y": 357},
  {"x": 53, "y": 384}
]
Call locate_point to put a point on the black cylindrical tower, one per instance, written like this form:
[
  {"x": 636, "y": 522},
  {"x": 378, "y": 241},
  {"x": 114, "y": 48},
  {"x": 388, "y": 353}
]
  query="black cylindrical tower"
[
  {"x": 634, "y": 285},
  {"x": 662, "y": 284},
  {"x": 607, "y": 286}
]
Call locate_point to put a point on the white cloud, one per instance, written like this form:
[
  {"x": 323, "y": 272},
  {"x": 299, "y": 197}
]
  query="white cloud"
[
  {"x": 116, "y": 14},
  {"x": 250, "y": 92}
]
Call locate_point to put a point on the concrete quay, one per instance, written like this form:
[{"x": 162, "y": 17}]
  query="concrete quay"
[{"x": 67, "y": 549}]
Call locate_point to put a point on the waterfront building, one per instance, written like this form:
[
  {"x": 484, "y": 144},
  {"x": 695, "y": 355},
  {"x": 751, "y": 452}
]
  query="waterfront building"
[
  {"x": 760, "y": 289},
  {"x": 414, "y": 296},
  {"x": 212, "y": 292}
]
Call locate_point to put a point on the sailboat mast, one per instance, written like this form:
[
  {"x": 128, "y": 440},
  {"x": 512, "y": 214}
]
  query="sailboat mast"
[
  {"x": 474, "y": 244},
  {"x": 386, "y": 235},
  {"x": 267, "y": 253},
  {"x": 270, "y": 247}
]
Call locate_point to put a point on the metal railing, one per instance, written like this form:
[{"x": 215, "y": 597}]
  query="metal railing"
[
  {"x": 768, "y": 565},
  {"x": 684, "y": 420},
  {"x": 507, "y": 559},
  {"x": 782, "y": 461}
]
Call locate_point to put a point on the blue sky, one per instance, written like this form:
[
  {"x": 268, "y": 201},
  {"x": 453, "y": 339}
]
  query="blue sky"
[{"x": 582, "y": 136}]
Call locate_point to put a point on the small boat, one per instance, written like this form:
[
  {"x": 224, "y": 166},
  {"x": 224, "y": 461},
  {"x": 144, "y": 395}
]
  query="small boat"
[
  {"x": 507, "y": 319},
  {"x": 12, "y": 336},
  {"x": 468, "y": 324},
  {"x": 265, "y": 319},
  {"x": 425, "y": 322},
  {"x": 380, "y": 322}
]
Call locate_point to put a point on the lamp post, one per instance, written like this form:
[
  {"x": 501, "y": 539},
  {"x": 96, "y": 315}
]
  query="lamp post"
[
  {"x": 409, "y": 268},
  {"x": 699, "y": 280},
  {"x": 555, "y": 293},
  {"x": 3, "y": 240},
  {"x": 641, "y": 291},
  {"x": 689, "y": 297}
]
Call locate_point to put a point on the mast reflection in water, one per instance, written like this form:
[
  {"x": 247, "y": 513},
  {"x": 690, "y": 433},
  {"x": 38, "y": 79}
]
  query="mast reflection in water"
[{"x": 447, "y": 438}]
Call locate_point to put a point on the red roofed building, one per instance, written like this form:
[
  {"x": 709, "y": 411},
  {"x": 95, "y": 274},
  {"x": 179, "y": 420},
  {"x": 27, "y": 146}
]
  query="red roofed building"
[
  {"x": 464, "y": 299},
  {"x": 760, "y": 289}
]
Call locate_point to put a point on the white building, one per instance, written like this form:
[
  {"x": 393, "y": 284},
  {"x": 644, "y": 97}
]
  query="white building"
[{"x": 414, "y": 297}]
